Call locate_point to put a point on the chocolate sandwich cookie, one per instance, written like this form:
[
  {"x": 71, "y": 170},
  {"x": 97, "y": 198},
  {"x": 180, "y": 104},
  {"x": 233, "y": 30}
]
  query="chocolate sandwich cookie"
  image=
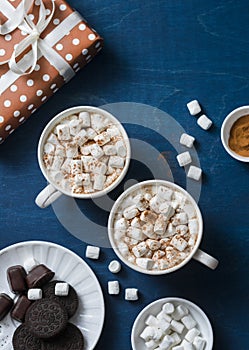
[
  {"x": 71, "y": 338},
  {"x": 39, "y": 276},
  {"x": 6, "y": 304},
  {"x": 16, "y": 276},
  {"x": 24, "y": 340},
  {"x": 70, "y": 302},
  {"x": 20, "y": 308},
  {"x": 46, "y": 318}
]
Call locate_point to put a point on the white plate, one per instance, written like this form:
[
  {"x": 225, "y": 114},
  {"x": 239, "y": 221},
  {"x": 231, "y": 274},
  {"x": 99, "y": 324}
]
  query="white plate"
[
  {"x": 68, "y": 267},
  {"x": 154, "y": 308}
]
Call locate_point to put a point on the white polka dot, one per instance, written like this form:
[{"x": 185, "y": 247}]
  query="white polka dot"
[
  {"x": 53, "y": 86},
  {"x": 13, "y": 88},
  {"x": 2, "y": 52},
  {"x": 11, "y": 131},
  {"x": 75, "y": 41},
  {"x": 8, "y": 37},
  {"x": 31, "y": 16},
  {"x": 63, "y": 7},
  {"x": 33, "y": 111},
  {"x": 85, "y": 52},
  {"x": 39, "y": 92},
  {"x": 44, "y": 98},
  {"x": 30, "y": 82},
  {"x": 16, "y": 114},
  {"x": 7, "y": 103},
  {"x": 55, "y": 90},
  {"x": 1, "y": 139},
  {"x": 23, "y": 33},
  {"x": 56, "y": 21},
  {"x": 46, "y": 77},
  {"x": 8, "y": 127},
  {"x": 76, "y": 70},
  {"x": 30, "y": 107},
  {"x": 59, "y": 47},
  {"x": 21, "y": 119},
  {"x": 76, "y": 65},
  {"x": 1, "y": 119},
  {"x": 91, "y": 37},
  {"x": 37, "y": 67},
  {"x": 82, "y": 26},
  {"x": 48, "y": 12},
  {"x": 97, "y": 45},
  {"x": 69, "y": 57},
  {"x": 37, "y": 2},
  {"x": 23, "y": 98}
]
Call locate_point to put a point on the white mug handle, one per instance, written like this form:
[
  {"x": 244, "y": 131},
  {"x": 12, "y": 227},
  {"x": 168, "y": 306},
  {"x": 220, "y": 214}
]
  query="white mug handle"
[
  {"x": 206, "y": 259},
  {"x": 47, "y": 196}
]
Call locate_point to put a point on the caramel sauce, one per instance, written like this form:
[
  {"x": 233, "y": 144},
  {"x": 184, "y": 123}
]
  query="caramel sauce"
[{"x": 239, "y": 136}]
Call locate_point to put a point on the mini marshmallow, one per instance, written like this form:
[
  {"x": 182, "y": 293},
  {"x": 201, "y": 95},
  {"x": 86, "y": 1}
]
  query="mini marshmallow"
[
  {"x": 148, "y": 216},
  {"x": 199, "y": 343},
  {"x": 186, "y": 345},
  {"x": 193, "y": 226},
  {"x": 49, "y": 148},
  {"x": 86, "y": 180},
  {"x": 61, "y": 289},
  {"x": 192, "y": 240},
  {"x": 163, "y": 316},
  {"x": 180, "y": 198},
  {"x": 151, "y": 345},
  {"x": 116, "y": 162},
  {"x": 135, "y": 233},
  {"x": 98, "y": 168},
  {"x": 114, "y": 266},
  {"x": 96, "y": 151},
  {"x": 113, "y": 287},
  {"x": 194, "y": 173},
  {"x": 168, "y": 308},
  {"x": 102, "y": 139},
  {"x": 155, "y": 203},
  {"x": 76, "y": 166},
  {"x": 193, "y": 107},
  {"x": 152, "y": 321},
  {"x": 113, "y": 131},
  {"x": 191, "y": 334},
  {"x": 110, "y": 150},
  {"x": 177, "y": 326},
  {"x": 204, "y": 122},
  {"x": 180, "y": 312},
  {"x": 130, "y": 241},
  {"x": 53, "y": 139},
  {"x": 84, "y": 117},
  {"x": 170, "y": 231},
  {"x": 121, "y": 149},
  {"x": 160, "y": 225},
  {"x": 88, "y": 188},
  {"x": 167, "y": 342},
  {"x": 81, "y": 137},
  {"x": 123, "y": 248},
  {"x": 176, "y": 338},
  {"x": 99, "y": 122},
  {"x": 90, "y": 134},
  {"x": 167, "y": 210},
  {"x": 63, "y": 132},
  {"x": 163, "y": 264},
  {"x": 178, "y": 347},
  {"x": 29, "y": 264},
  {"x": 131, "y": 294},
  {"x": 158, "y": 254},
  {"x": 85, "y": 150},
  {"x": 99, "y": 182},
  {"x": 71, "y": 150},
  {"x": 145, "y": 263},
  {"x": 182, "y": 229},
  {"x": 164, "y": 325},
  {"x": 153, "y": 244},
  {"x": 179, "y": 243},
  {"x": 34, "y": 294},
  {"x": 92, "y": 252},
  {"x": 57, "y": 163},
  {"x": 148, "y": 333},
  {"x": 187, "y": 140},
  {"x": 121, "y": 224},
  {"x": 148, "y": 230},
  {"x": 130, "y": 212},
  {"x": 75, "y": 127},
  {"x": 60, "y": 151},
  {"x": 189, "y": 210},
  {"x": 165, "y": 193},
  {"x": 188, "y": 322},
  {"x": 180, "y": 219},
  {"x": 140, "y": 249},
  {"x": 66, "y": 166},
  {"x": 184, "y": 158},
  {"x": 135, "y": 222}
]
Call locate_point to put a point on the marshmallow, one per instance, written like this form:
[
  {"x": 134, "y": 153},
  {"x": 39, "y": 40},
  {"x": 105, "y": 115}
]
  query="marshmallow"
[
  {"x": 187, "y": 140},
  {"x": 123, "y": 248},
  {"x": 178, "y": 347},
  {"x": 167, "y": 342},
  {"x": 49, "y": 148},
  {"x": 163, "y": 316},
  {"x": 204, "y": 122},
  {"x": 188, "y": 322},
  {"x": 191, "y": 334},
  {"x": 63, "y": 132},
  {"x": 57, "y": 163},
  {"x": 194, "y": 173},
  {"x": 165, "y": 193},
  {"x": 109, "y": 150},
  {"x": 113, "y": 131},
  {"x": 131, "y": 294},
  {"x": 168, "y": 308},
  {"x": 199, "y": 343},
  {"x": 96, "y": 151},
  {"x": 30, "y": 263},
  {"x": 88, "y": 188},
  {"x": 135, "y": 222},
  {"x": 186, "y": 345},
  {"x": 140, "y": 249},
  {"x": 48, "y": 160},
  {"x": 151, "y": 345},
  {"x": 176, "y": 338},
  {"x": 148, "y": 333},
  {"x": 193, "y": 226},
  {"x": 145, "y": 263},
  {"x": 182, "y": 229},
  {"x": 135, "y": 233},
  {"x": 148, "y": 216},
  {"x": 180, "y": 198},
  {"x": 171, "y": 230},
  {"x": 152, "y": 321},
  {"x": 116, "y": 162},
  {"x": 81, "y": 137},
  {"x": 192, "y": 240},
  {"x": 84, "y": 117},
  {"x": 85, "y": 150},
  {"x": 71, "y": 150},
  {"x": 153, "y": 244},
  {"x": 76, "y": 167},
  {"x": 113, "y": 287},
  {"x": 158, "y": 254},
  {"x": 121, "y": 149},
  {"x": 86, "y": 179},
  {"x": 99, "y": 182},
  {"x": 99, "y": 122},
  {"x": 194, "y": 107},
  {"x": 130, "y": 212},
  {"x": 189, "y": 210},
  {"x": 34, "y": 294},
  {"x": 60, "y": 151},
  {"x": 74, "y": 127},
  {"x": 61, "y": 289},
  {"x": 66, "y": 166},
  {"x": 163, "y": 264},
  {"x": 180, "y": 219},
  {"x": 121, "y": 224},
  {"x": 102, "y": 139},
  {"x": 130, "y": 241},
  {"x": 179, "y": 243},
  {"x": 164, "y": 325},
  {"x": 114, "y": 266},
  {"x": 177, "y": 326},
  {"x": 167, "y": 210},
  {"x": 99, "y": 168},
  {"x": 90, "y": 134},
  {"x": 184, "y": 158},
  {"x": 53, "y": 139},
  {"x": 148, "y": 230},
  {"x": 92, "y": 252},
  {"x": 155, "y": 203},
  {"x": 179, "y": 312},
  {"x": 160, "y": 225}
]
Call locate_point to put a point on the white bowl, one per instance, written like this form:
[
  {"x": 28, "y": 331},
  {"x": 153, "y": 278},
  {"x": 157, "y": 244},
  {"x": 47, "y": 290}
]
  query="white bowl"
[
  {"x": 226, "y": 128},
  {"x": 154, "y": 308}
]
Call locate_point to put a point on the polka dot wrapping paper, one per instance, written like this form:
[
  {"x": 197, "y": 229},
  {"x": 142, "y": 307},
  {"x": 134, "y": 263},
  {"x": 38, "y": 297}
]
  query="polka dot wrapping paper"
[{"x": 22, "y": 94}]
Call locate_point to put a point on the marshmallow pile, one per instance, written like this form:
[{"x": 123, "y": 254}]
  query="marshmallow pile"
[
  {"x": 84, "y": 153},
  {"x": 155, "y": 227},
  {"x": 173, "y": 328}
]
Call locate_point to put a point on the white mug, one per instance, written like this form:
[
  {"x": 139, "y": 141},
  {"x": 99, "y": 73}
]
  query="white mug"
[
  {"x": 52, "y": 191},
  {"x": 196, "y": 253}
]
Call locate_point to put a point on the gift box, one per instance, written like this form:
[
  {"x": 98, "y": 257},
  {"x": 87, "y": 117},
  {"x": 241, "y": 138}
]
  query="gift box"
[{"x": 43, "y": 44}]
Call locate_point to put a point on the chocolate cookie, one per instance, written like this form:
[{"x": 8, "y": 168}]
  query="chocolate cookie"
[
  {"x": 46, "y": 318},
  {"x": 70, "y": 302},
  {"x": 24, "y": 340},
  {"x": 70, "y": 339},
  {"x": 39, "y": 276}
]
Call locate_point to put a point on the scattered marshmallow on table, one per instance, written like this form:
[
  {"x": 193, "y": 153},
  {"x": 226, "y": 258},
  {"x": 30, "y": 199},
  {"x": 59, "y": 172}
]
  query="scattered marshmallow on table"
[
  {"x": 114, "y": 266},
  {"x": 187, "y": 140},
  {"x": 92, "y": 252},
  {"x": 61, "y": 289},
  {"x": 204, "y": 122},
  {"x": 194, "y": 172},
  {"x": 184, "y": 158},
  {"x": 194, "y": 107},
  {"x": 113, "y": 287},
  {"x": 34, "y": 294},
  {"x": 131, "y": 294}
]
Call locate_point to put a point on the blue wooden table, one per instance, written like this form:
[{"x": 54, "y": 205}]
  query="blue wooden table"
[{"x": 164, "y": 54}]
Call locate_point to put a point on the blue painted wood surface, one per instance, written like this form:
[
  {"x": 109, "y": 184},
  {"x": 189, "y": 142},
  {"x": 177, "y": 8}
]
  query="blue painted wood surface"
[{"x": 162, "y": 53}]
